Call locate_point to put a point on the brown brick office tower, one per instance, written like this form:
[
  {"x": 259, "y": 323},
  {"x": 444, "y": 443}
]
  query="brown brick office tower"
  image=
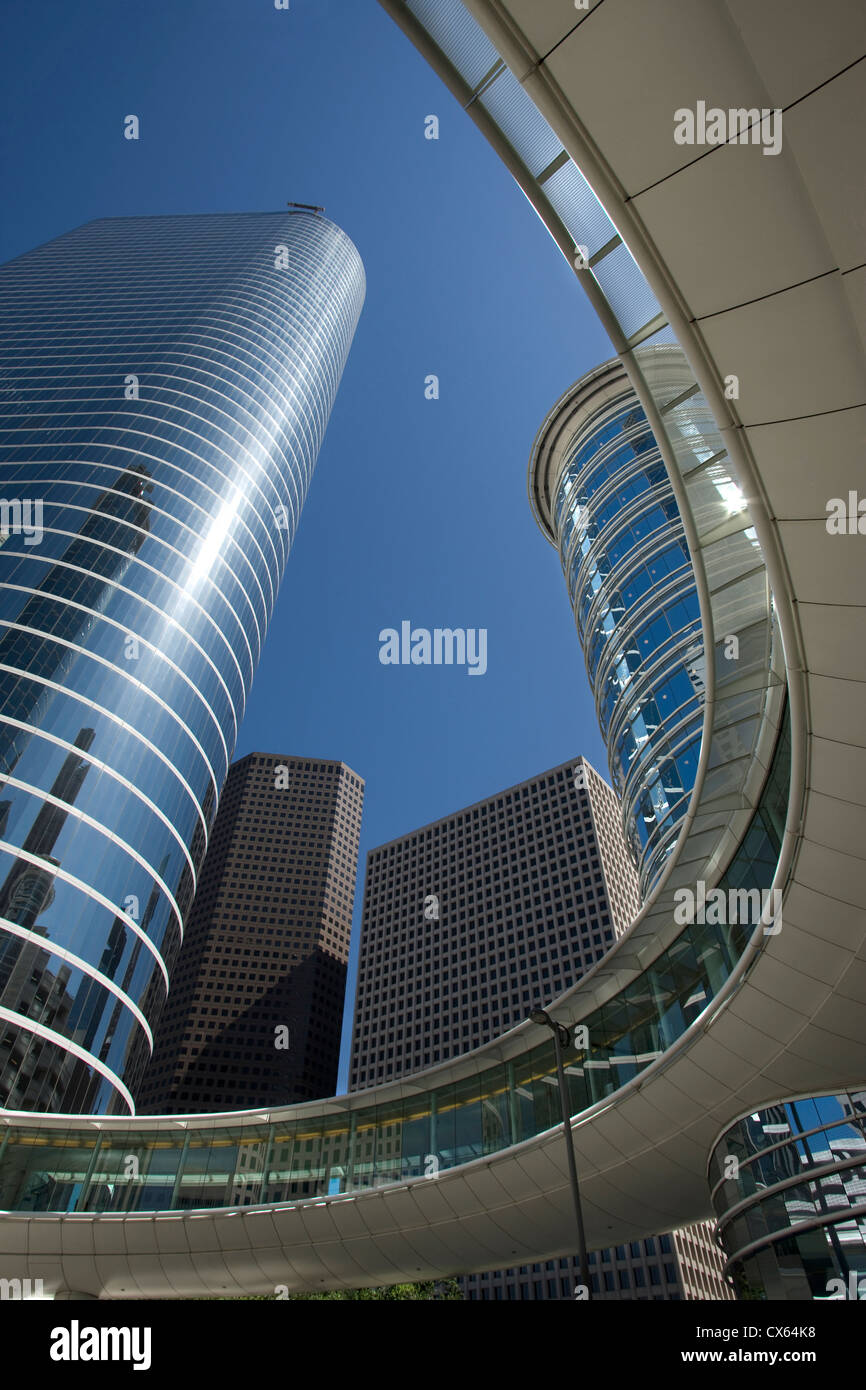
[{"x": 267, "y": 943}]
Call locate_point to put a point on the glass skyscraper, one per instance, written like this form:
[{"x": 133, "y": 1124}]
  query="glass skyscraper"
[
  {"x": 602, "y": 495},
  {"x": 165, "y": 383}
]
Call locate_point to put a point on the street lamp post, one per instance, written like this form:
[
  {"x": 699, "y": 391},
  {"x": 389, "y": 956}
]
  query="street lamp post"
[{"x": 561, "y": 1038}]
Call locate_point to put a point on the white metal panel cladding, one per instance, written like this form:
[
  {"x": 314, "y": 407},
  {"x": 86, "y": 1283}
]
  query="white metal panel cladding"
[{"x": 165, "y": 384}]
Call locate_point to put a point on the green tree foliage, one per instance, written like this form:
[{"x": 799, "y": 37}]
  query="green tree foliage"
[{"x": 430, "y": 1289}]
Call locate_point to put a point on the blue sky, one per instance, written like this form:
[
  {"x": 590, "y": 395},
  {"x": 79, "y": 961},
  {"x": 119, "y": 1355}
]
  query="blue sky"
[{"x": 418, "y": 509}]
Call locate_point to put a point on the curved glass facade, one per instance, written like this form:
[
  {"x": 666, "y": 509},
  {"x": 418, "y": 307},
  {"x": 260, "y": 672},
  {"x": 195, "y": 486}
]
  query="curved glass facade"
[
  {"x": 459, "y": 1111},
  {"x": 165, "y": 383},
  {"x": 789, "y": 1190},
  {"x": 603, "y": 495}
]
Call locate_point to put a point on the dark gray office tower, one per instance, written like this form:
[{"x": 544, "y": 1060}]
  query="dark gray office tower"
[
  {"x": 256, "y": 1009},
  {"x": 470, "y": 922}
]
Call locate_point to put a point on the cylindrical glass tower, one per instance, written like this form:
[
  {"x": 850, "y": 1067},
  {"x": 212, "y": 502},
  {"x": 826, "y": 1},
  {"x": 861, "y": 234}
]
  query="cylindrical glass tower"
[
  {"x": 601, "y": 493},
  {"x": 788, "y": 1185},
  {"x": 165, "y": 383}
]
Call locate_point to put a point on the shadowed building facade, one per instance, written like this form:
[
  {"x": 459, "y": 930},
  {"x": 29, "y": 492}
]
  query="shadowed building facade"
[{"x": 256, "y": 1009}]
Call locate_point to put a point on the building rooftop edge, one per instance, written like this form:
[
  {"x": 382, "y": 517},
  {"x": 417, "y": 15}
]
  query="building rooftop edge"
[
  {"x": 295, "y": 757},
  {"x": 473, "y": 805},
  {"x": 539, "y": 457}
]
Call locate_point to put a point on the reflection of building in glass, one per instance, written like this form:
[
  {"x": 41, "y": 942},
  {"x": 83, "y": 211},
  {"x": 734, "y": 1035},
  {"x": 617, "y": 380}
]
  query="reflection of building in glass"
[
  {"x": 267, "y": 944},
  {"x": 467, "y": 924},
  {"x": 34, "y": 981},
  {"x": 789, "y": 1188},
  {"x": 39, "y": 648},
  {"x": 602, "y": 495},
  {"x": 166, "y": 386}
]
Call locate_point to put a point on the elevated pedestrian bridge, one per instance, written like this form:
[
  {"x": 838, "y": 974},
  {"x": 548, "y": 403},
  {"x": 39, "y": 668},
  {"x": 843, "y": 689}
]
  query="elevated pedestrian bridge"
[{"x": 745, "y": 266}]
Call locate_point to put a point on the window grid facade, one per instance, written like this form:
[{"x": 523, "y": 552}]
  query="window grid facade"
[
  {"x": 527, "y": 901},
  {"x": 531, "y": 888},
  {"x": 267, "y": 944},
  {"x": 682, "y": 1265}
]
